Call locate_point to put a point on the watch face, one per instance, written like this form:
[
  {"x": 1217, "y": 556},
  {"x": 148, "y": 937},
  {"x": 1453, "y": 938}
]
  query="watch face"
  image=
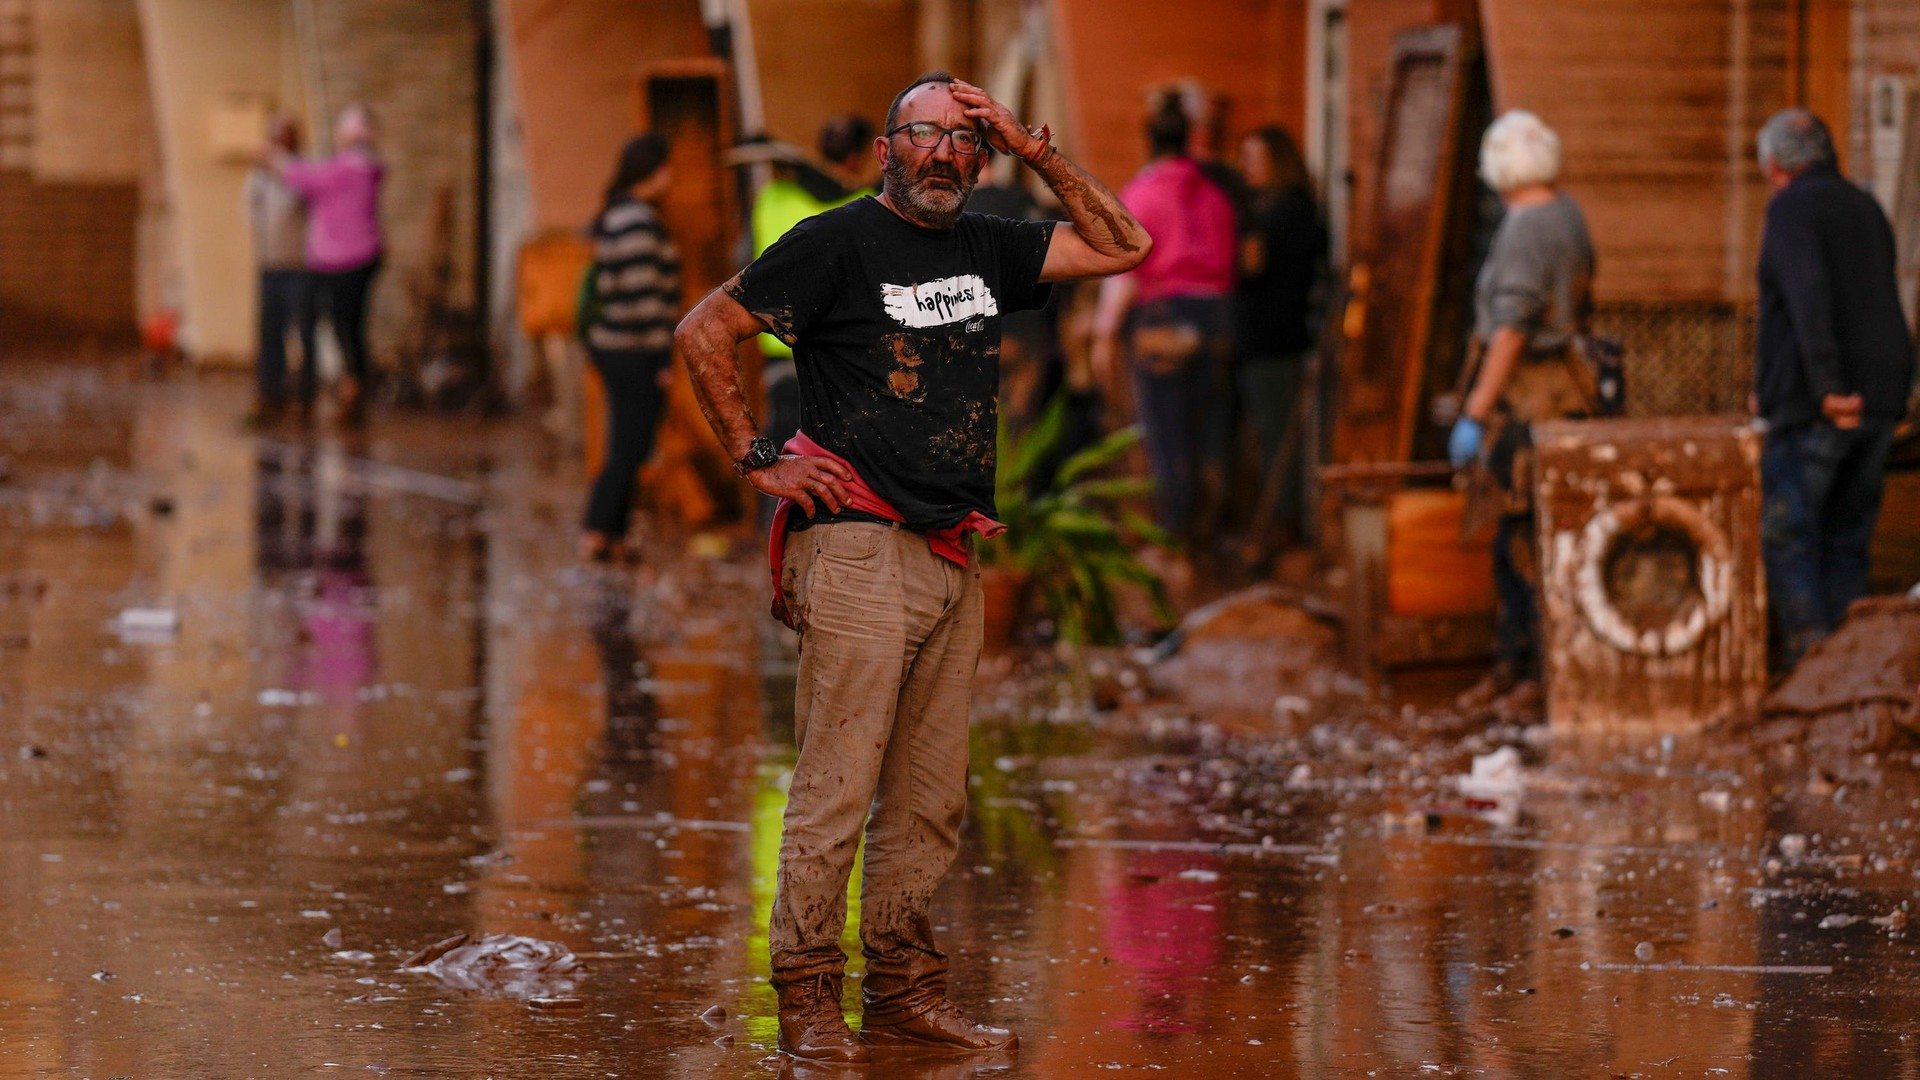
[{"x": 760, "y": 454}]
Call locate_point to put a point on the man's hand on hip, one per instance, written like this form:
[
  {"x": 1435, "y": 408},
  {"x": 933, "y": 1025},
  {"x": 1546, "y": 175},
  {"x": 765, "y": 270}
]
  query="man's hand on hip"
[
  {"x": 1843, "y": 410},
  {"x": 810, "y": 482}
]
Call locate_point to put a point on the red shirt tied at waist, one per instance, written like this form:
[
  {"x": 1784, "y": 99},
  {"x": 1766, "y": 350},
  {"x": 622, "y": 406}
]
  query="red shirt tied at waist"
[{"x": 949, "y": 543}]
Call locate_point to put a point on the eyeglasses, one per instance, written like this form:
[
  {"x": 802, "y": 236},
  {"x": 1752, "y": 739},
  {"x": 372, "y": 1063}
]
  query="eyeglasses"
[{"x": 927, "y": 135}]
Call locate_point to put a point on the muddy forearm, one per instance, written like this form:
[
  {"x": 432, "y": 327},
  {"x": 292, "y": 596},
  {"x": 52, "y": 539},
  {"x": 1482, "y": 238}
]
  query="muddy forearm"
[
  {"x": 1098, "y": 215},
  {"x": 707, "y": 345},
  {"x": 1496, "y": 367}
]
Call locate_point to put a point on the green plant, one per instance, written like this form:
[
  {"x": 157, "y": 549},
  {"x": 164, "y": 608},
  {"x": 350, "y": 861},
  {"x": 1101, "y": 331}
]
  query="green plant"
[{"x": 1074, "y": 536}]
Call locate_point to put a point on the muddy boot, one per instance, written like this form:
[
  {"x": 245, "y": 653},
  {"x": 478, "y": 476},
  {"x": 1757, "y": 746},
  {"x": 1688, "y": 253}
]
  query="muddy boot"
[
  {"x": 811, "y": 1025},
  {"x": 1523, "y": 704},
  {"x": 1483, "y": 695},
  {"x": 941, "y": 1026},
  {"x": 908, "y": 1007}
]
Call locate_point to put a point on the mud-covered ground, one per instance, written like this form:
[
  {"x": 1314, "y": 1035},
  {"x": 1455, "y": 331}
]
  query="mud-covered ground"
[{"x": 394, "y": 708}]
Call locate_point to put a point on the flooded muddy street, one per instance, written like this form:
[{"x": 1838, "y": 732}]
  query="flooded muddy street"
[{"x": 281, "y": 710}]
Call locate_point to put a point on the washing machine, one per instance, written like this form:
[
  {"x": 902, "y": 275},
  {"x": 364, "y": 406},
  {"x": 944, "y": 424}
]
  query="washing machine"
[{"x": 1653, "y": 611}]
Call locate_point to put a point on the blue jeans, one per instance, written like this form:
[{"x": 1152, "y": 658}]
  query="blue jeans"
[
  {"x": 1177, "y": 350},
  {"x": 286, "y": 301},
  {"x": 1822, "y": 491}
]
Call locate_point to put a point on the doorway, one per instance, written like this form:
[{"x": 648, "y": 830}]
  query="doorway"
[{"x": 1327, "y": 137}]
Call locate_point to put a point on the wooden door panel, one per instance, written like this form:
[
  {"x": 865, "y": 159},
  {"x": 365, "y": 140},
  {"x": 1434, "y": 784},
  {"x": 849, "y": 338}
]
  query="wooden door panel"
[{"x": 1397, "y": 284}]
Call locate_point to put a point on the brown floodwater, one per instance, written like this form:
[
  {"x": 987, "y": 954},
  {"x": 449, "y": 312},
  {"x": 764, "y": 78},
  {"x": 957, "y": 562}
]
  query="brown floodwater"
[{"x": 395, "y": 709}]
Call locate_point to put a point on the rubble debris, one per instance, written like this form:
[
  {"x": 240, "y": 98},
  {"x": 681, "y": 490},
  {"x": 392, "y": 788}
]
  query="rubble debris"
[
  {"x": 1719, "y": 969},
  {"x": 1857, "y": 692},
  {"x": 147, "y": 625},
  {"x": 1247, "y": 651},
  {"x": 502, "y": 965},
  {"x": 1265, "y": 847}
]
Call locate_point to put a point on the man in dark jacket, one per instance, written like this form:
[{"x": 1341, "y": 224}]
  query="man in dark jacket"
[{"x": 1831, "y": 379}]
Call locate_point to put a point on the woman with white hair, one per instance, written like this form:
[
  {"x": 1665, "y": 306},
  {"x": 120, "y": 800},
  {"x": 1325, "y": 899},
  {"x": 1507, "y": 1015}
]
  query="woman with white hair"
[{"x": 1531, "y": 306}]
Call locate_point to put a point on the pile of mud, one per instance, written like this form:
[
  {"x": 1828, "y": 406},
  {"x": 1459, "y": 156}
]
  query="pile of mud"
[
  {"x": 1855, "y": 694},
  {"x": 1254, "y": 652}
]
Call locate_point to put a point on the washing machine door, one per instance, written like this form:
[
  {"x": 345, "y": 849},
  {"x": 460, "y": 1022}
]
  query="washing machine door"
[{"x": 1653, "y": 575}]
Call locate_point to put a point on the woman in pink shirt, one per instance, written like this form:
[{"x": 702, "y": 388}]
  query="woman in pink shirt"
[
  {"x": 343, "y": 234},
  {"x": 1175, "y": 313}
]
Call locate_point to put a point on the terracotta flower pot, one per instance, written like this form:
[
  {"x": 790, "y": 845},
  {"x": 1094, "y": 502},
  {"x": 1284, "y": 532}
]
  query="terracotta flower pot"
[{"x": 1004, "y": 597}]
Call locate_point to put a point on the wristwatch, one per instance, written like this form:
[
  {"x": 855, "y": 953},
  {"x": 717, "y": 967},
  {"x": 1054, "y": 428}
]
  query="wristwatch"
[{"x": 760, "y": 454}]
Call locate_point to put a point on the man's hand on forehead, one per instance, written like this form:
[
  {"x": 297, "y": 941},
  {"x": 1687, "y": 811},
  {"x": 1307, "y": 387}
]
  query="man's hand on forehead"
[{"x": 1005, "y": 133}]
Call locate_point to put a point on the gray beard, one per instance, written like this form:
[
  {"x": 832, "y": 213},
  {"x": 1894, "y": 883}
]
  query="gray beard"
[{"x": 936, "y": 208}]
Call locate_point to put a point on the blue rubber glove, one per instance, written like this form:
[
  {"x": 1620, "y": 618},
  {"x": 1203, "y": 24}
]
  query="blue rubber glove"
[{"x": 1463, "y": 445}]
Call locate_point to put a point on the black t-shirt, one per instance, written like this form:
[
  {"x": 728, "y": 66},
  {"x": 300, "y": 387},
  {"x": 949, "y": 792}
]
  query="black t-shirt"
[
  {"x": 1276, "y": 304},
  {"x": 895, "y": 333}
]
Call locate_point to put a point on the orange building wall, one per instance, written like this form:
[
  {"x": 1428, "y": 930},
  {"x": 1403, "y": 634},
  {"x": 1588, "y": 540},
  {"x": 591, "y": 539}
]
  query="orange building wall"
[
  {"x": 577, "y": 62},
  {"x": 1819, "y": 41},
  {"x": 1112, "y": 51},
  {"x": 1657, "y": 129},
  {"x": 822, "y": 58}
]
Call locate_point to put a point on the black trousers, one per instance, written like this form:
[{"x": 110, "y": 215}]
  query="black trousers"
[
  {"x": 634, "y": 403},
  {"x": 1516, "y": 622},
  {"x": 286, "y": 301},
  {"x": 342, "y": 297}
]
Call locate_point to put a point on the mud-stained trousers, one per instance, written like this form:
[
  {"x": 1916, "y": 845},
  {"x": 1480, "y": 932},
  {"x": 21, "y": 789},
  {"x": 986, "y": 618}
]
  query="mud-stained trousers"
[{"x": 889, "y": 639}]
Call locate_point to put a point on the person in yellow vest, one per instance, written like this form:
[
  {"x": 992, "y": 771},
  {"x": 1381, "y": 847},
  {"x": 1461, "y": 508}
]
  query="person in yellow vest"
[{"x": 800, "y": 188}]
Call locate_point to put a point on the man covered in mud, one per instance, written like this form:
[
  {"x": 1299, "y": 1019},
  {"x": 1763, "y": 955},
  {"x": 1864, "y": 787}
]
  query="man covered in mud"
[{"x": 893, "y": 307}]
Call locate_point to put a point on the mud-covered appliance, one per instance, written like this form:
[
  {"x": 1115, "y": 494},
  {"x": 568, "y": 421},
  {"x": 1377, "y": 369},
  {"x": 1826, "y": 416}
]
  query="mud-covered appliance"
[{"x": 1654, "y": 606}]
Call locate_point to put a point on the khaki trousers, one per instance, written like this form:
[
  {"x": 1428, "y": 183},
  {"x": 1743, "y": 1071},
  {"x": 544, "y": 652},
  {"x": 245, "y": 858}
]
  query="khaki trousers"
[{"x": 889, "y": 639}]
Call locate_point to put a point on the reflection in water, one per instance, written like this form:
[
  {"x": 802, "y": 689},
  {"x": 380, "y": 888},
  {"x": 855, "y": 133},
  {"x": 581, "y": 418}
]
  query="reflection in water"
[
  {"x": 1161, "y": 923},
  {"x": 390, "y": 716},
  {"x": 311, "y": 536},
  {"x": 631, "y": 710}
]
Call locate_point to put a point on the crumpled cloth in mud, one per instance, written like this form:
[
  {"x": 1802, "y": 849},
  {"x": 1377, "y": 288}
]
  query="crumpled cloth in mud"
[
  {"x": 1495, "y": 776},
  {"x": 501, "y": 965},
  {"x": 1497, "y": 780}
]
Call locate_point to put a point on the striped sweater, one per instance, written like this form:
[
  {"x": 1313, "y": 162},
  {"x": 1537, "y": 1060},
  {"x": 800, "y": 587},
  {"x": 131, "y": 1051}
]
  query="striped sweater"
[{"x": 637, "y": 277}]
